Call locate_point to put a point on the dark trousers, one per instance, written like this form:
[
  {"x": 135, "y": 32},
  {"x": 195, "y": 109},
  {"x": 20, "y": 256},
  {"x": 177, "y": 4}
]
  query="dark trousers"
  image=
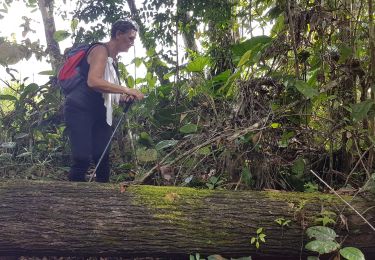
[{"x": 89, "y": 134}]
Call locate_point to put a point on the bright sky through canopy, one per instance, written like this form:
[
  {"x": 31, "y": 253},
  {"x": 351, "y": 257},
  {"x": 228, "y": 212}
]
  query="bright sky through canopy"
[{"x": 31, "y": 68}]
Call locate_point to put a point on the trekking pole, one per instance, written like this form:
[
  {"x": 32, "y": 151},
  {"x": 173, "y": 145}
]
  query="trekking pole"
[{"x": 126, "y": 108}]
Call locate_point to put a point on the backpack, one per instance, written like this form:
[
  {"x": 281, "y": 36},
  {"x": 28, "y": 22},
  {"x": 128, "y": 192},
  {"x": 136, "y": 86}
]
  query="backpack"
[{"x": 70, "y": 74}]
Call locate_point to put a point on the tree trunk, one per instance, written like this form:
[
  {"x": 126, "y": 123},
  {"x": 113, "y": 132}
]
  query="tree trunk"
[
  {"x": 53, "y": 48},
  {"x": 371, "y": 79},
  {"x": 188, "y": 33},
  {"x": 83, "y": 219}
]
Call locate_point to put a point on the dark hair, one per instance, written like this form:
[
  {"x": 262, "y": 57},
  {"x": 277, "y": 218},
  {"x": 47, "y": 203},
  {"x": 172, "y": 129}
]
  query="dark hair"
[{"x": 123, "y": 25}]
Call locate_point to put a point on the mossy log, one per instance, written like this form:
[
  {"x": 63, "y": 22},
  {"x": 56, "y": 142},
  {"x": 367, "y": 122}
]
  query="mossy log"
[{"x": 86, "y": 219}]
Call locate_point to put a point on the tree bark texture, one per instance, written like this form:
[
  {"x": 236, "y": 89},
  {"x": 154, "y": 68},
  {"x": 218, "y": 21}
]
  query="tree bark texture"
[
  {"x": 53, "y": 48},
  {"x": 83, "y": 219}
]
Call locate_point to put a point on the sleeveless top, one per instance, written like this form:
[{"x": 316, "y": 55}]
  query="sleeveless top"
[{"x": 84, "y": 96}]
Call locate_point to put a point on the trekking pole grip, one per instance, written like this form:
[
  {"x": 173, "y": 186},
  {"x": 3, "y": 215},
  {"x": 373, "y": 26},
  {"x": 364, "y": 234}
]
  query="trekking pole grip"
[{"x": 127, "y": 105}]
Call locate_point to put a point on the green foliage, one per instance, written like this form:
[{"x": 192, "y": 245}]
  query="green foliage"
[
  {"x": 61, "y": 35},
  {"x": 282, "y": 222},
  {"x": 214, "y": 182},
  {"x": 246, "y": 176},
  {"x": 189, "y": 129},
  {"x": 305, "y": 89},
  {"x": 11, "y": 53},
  {"x": 322, "y": 247},
  {"x": 326, "y": 218},
  {"x": 165, "y": 144},
  {"x": 325, "y": 242},
  {"x": 259, "y": 238},
  {"x": 310, "y": 187},
  {"x": 239, "y": 50},
  {"x": 198, "y": 64},
  {"x": 147, "y": 155},
  {"x": 321, "y": 233},
  {"x": 298, "y": 167},
  {"x": 352, "y": 253},
  {"x": 359, "y": 111}
]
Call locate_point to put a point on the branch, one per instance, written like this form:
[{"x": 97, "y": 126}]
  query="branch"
[{"x": 230, "y": 137}]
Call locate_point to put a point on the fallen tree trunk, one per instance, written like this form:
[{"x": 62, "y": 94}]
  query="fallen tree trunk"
[{"x": 85, "y": 219}]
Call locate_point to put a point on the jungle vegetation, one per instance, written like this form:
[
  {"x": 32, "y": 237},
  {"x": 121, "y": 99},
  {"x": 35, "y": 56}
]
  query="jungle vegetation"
[{"x": 227, "y": 107}]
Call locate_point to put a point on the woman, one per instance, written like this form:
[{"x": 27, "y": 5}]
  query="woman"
[{"x": 88, "y": 108}]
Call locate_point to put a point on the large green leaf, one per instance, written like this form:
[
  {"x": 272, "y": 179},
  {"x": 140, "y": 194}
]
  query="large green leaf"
[
  {"x": 228, "y": 88},
  {"x": 60, "y": 35},
  {"x": 305, "y": 89},
  {"x": 360, "y": 110},
  {"x": 278, "y": 26},
  {"x": 137, "y": 61},
  {"x": 189, "y": 129},
  {"x": 244, "y": 58},
  {"x": 145, "y": 138},
  {"x": 240, "y": 49},
  {"x": 8, "y": 97},
  {"x": 165, "y": 144},
  {"x": 198, "y": 64},
  {"x": 222, "y": 76},
  {"x": 206, "y": 150},
  {"x": 147, "y": 155},
  {"x": 321, "y": 233},
  {"x": 29, "y": 91},
  {"x": 47, "y": 72},
  {"x": 252, "y": 56},
  {"x": 130, "y": 81},
  {"x": 298, "y": 167},
  {"x": 352, "y": 253},
  {"x": 322, "y": 247}
]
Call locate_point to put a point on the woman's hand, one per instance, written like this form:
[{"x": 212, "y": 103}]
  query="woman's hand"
[
  {"x": 124, "y": 98},
  {"x": 136, "y": 94}
]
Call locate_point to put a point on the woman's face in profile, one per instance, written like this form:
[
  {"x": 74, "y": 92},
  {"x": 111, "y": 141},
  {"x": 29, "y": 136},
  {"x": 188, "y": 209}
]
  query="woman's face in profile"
[{"x": 126, "y": 39}]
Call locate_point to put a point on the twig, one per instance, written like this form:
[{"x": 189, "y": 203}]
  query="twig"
[
  {"x": 195, "y": 148},
  {"x": 192, "y": 150},
  {"x": 359, "y": 190},
  {"x": 350, "y": 206},
  {"x": 248, "y": 129},
  {"x": 356, "y": 165},
  {"x": 150, "y": 172},
  {"x": 361, "y": 159}
]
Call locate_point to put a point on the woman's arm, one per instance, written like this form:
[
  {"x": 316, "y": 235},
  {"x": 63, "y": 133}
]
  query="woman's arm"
[{"x": 97, "y": 59}]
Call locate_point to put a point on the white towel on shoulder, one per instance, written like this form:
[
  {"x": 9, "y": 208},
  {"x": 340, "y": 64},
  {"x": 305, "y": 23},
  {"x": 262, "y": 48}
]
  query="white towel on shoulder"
[{"x": 110, "y": 99}]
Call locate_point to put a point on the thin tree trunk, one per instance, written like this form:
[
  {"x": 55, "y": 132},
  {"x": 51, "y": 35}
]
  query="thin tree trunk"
[
  {"x": 188, "y": 32},
  {"x": 371, "y": 80},
  {"x": 53, "y": 49}
]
